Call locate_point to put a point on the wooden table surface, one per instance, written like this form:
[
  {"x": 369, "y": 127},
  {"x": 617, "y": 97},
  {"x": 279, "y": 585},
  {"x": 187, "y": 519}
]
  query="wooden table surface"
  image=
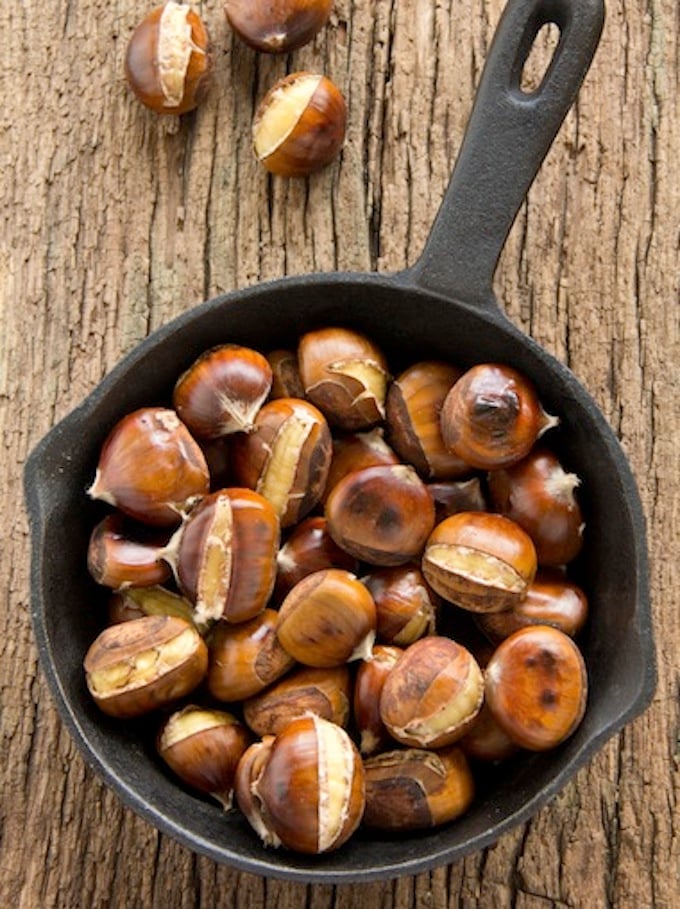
[{"x": 113, "y": 221}]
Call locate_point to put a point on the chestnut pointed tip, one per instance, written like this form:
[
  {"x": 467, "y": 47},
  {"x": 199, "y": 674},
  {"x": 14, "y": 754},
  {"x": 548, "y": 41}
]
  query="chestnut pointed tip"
[{"x": 97, "y": 490}]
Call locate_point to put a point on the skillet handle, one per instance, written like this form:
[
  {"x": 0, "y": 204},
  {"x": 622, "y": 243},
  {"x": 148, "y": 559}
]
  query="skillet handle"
[{"x": 507, "y": 137}]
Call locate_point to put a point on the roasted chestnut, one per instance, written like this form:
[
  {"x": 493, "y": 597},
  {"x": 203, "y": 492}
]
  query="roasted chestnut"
[
  {"x": 327, "y": 619},
  {"x": 136, "y": 602},
  {"x": 299, "y": 125},
  {"x": 486, "y": 740},
  {"x": 222, "y": 391},
  {"x": 479, "y": 561},
  {"x": 141, "y": 665},
  {"x": 537, "y": 686},
  {"x": 368, "y": 685},
  {"x": 452, "y": 496},
  {"x": 354, "y": 451},
  {"x": 151, "y": 467},
  {"x": 432, "y": 694},
  {"x": 115, "y": 559},
  {"x": 286, "y": 381},
  {"x": 168, "y": 64},
  {"x": 225, "y": 555},
  {"x": 286, "y": 457},
  {"x": 203, "y": 747},
  {"x": 345, "y": 374},
  {"x": 381, "y": 515},
  {"x": 492, "y": 416},
  {"x": 277, "y": 26},
  {"x": 405, "y": 605},
  {"x": 309, "y": 548},
  {"x": 303, "y": 789}
]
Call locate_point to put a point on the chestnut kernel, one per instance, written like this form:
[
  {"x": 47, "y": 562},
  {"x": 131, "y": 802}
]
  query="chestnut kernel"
[
  {"x": 327, "y": 619},
  {"x": 299, "y": 126},
  {"x": 222, "y": 391},
  {"x": 368, "y": 685},
  {"x": 416, "y": 789},
  {"x": 479, "y": 561},
  {"x": 538, "y": 494},
  {"x": 116, "y": 559},
  {"x": 309, "y": 548},
  {"x": 304, "y": 789},
  {"x": 405, "y": 605},
  {"x": 277, "y": 26},
  {"x": 345, "y": 374},
  {"x": 382, "y": 515},
  {"x": 286, "y": 457},
  {"x": 245, "y": 658},
  {"x": 138, "y": 666},
  {"x": 536, "y": 687},
  {"x": 151, "y": 467},
  {"x": 323, "y": 692},
  {"x": 168, "y": 64},
  {"x": 492, "y": 416},
  {"x": 203, "y": 747},
  {"x": 433, "y": 693}
]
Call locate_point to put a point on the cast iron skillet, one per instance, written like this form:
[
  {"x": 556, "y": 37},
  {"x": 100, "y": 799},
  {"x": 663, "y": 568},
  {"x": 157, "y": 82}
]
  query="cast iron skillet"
[{"x": 443, "y": 307}]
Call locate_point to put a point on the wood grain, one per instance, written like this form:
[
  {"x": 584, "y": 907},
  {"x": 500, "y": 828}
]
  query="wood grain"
[{"x": 112, "y": 221}]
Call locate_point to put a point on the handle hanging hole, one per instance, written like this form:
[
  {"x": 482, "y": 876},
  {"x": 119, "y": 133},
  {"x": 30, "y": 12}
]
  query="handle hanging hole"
[{"x": 539, "y": 58}]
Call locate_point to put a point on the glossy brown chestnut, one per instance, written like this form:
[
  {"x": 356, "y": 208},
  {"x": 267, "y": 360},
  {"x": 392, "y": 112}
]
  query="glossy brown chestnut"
[
  {"x": 309, "y": 548},
  {"x": 452, "y": 496},
  {"x": 141, "y": 665},
  {"x": 538, "y": 494},
  {"x": 286, "y": 381},
  {"x": 536, "y": 687},
  {"x": 492, "y": 416},
  {"x": 414, "y": 403},
  {"x": 323, "y": 692},
  {"x": 415, "y": 789},
  {"x": 299, "y": 126},
  {"x": 137, "y": 602},
  {"x": 150, "y": 467},
  {"x": 217, "y": 457},
  {"x": 116, "y": 559},
  {"x": 405, "y": 605},
  {"x": 245, "y": 658},
  {"x": 222, "y": 391},
  {"x": 168, "y": 64},
  {"x": 286, "y": 457},
  {"x": 203, "y": 747},
  {"x": 327, "y": 619},
  {"x": 381, "y": 515},
  {"x": 225, "y": 555},
  {"x": 354, "y": 451},
  {"x": 480, "y": 561},
  {"x": 368, "y": 685},
  {"x": 345, "y": 374},
  {"x": 550, "y": 600},
  {"x": 433, "y": 693},
  {"x": 304, "y": 789},
  {"x": 277, "y": 26},
  {"x": 486, "y": 741}
]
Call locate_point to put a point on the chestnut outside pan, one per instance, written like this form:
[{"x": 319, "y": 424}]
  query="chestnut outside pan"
[{"x": 443, "y": 307}]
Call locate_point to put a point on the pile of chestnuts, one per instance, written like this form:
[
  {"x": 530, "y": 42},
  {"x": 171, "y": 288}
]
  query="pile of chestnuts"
[
  {"x": 299, "y": 126},
  {"x": 338, "y": 591}
]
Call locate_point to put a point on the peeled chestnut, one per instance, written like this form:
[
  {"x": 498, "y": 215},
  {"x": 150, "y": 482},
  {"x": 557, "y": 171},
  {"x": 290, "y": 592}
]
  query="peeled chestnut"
[
  {"x": 405, "y": 605},
  {"x": 327, "y": 619},
  {"x": 345, "y": 374},
  {"x": 307, "y": 689},
  {"x": 150, "y": 467},
  {"x": 382, "y": 515},
  {"x": 536, "y": 687},
  {"x": 354, "y": 451},
  {"x": 479, "y": 561},
  {"x": 222, "y": 391},
  {"x": 415, "y": 789},
  {"x": 538, "y": 494},
  {"x": 309, "y": 548},
  {"x": 303, "y": 789},
  {"x": 299, "y": 126},
  {"x": 368, "y": 685},
  {"x": 492, "y": 416},
  {"x": 277, "y": 26},
  {"x": 136, "y": 602},
  {"x": 225, "y": 555},
  {"x": 433, "y": 693},
  {"x": 414, "y": 403},
  {"x": 168, "y": 64},
  {"x": 141, "y": 665},
  {"x": 245, "y": 658},
  {"x": 286, "y": 457},
  {"x": 115, "y": 559},
  {"x": 551, "y": 599},
  {"x": 286, "y": 381},
  {"x": 203, "y": 747}
]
